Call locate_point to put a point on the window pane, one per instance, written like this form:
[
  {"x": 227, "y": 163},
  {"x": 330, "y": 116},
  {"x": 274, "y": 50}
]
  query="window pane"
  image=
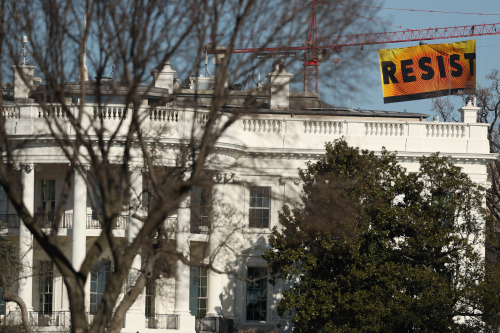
[
  {"x": 198, "y": 291},
  {"x": 4, "y": 203},
  {"x": 259, "y": 207},
  {"x": 99, "y": 279},
  {"x": 2, "y": 302},
  {"x": 45, "y": 286},
  {"x": 256, "y": 293},
  {"x": 150, "y": 300},
  {"x": 201, "y": 208}
]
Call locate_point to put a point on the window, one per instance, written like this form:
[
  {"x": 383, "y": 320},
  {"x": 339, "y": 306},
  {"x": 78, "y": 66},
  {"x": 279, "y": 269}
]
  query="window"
[
  {"x": 201, "y": 209},
  {"x": 198, "y": 280},
  {"x": 97, "y": 210},
  {"x": 3, "y": 201},
  {"x": 99, "y": 278},
  {"x": 260, "y": 205},
  {"x": 46, "y": 286},
  {"x": 2, "y": 303},
  {"x": 48, "y": 201},
  {"x": 150, "y": 300},
  {"x": 256, "y": 294}
]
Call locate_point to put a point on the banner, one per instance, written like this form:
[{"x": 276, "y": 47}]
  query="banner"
[{"x": 428, "y": 70}]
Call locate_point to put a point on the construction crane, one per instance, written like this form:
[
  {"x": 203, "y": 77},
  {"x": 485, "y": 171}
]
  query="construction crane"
[{"x": 316, "y": 49}]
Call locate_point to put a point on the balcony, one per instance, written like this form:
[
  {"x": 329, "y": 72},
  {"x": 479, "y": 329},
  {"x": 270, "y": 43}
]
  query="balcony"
[
  {"x": 48, "y": 220},
  {"x": 53, "y": 319},
  {"x": 93, "y": 222},
  {"x": 163, "y": 321}
]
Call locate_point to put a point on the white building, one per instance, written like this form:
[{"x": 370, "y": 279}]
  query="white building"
[{"x": 257, "y": 162}]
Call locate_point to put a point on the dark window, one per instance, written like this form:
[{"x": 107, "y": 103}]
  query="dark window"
[
  {"x": 260, "y": 206},
  {"x": 48, "y": 201},
  {"x": 97, "y": 210},
  {"x": 99, "y": 278},
  {"x": 2, "y": 303},
  {"x": 4, "y": 203},
  {"x": 201, "y": 209},
  {"x": 150, "y": 300},
  {"x": 46, "y": 286},
  {"x": 198, "y": 291},
  {"x": 256, "y": 294}
]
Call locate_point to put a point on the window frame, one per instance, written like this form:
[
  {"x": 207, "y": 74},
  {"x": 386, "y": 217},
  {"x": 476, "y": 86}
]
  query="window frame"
[
  {"x": 201, "y": 209},
  {"x": 252, "y": 279},
  {"x": 96, "y": 294},
  {"x": 253, "y": 208},
  {"x": 48, "y": 199},
  {"x": 3, "y": 305},
  {"x": 150, "y": 300},
  {"x": 4, "y": 202},
  {"x": 197, "y": 280},
  {"x": 46, "y": 286}
]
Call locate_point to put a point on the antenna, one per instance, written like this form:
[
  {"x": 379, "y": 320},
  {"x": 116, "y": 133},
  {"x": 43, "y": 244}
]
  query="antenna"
[
  {"x": 207, "y": 72},
  {"x": 24, "y": 54}
]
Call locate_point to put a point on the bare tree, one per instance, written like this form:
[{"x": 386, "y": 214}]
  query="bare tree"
[{"x": 74, "y": 46}]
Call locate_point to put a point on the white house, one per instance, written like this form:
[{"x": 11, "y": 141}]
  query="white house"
[{"x": 256, "y": 161}]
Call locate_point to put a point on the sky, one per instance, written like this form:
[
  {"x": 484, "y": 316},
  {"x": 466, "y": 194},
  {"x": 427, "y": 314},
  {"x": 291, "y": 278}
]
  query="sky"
[{"x": 369, "y": 92}]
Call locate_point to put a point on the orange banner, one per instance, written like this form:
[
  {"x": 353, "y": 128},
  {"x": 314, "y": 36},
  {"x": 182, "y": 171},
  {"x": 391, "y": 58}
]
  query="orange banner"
[{"x": 427, "y": 71}]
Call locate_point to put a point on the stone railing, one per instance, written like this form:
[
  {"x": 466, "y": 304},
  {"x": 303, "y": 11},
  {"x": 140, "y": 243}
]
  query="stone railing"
[
  {"x": 52, "y": 319},
  {"x": 384, "y": 129},
  {"x": 446, "y": 130},
  {"x": 261, "y": 131},
  {"x": 163, "y": 321},
  {"x": 322, "y": 127},
  {"x": 10, "y": 112},
  {"x": 262, "y": 125},
  {"x": 93, "y": 222}
]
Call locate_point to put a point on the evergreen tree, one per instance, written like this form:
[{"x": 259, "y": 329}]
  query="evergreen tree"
[{"x": 374, "y": 248}]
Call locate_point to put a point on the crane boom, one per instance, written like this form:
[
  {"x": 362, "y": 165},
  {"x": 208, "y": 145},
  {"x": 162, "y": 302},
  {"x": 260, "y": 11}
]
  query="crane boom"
[
  {"x": 334, "y": 42},
  {"x": 411, "y": 35},
  {"x": 314, "y": 45}
]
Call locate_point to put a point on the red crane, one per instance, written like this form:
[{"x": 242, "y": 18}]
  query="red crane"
[{"x": 316, "y": 48}]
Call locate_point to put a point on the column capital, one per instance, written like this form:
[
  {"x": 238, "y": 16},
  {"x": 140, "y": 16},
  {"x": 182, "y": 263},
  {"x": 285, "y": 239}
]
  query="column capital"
[
  {"x": 225, "y": 177},
  {"x": 83, "y": 167},
  {"x": 28, "y": 167},
  {"x": 283, "y": 180},
  {"x": 137, "y": 168}
]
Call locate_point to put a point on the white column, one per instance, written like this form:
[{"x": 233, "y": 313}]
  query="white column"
[
  {"x": 135, "y": 318},
  {"x": 79, "y": 238},
  {"x": 25, "y": 237},
  {"x": 215, "y": 289},
  {"x": 186, "y": 320}
]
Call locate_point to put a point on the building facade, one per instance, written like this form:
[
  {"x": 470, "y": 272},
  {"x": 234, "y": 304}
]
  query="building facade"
[{"x": 255, "y": 167}]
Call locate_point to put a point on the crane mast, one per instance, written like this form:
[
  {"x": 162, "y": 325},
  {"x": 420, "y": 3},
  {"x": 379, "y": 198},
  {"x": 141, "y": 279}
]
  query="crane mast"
[{"x": 311, "y": 61}]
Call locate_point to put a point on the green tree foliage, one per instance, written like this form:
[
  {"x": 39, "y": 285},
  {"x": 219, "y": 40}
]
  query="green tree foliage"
[{"x": 373, "y": 248}]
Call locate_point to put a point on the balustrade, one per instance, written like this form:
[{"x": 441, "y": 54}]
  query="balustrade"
[
  {"x": 94, "y": 223},
  {"x": 11, "y": 112},
  {"x": 52, "y": 319},
  {"x": 323, "y": 127},
  {"x": 262, "y": 125},
  {"x": 163, "y": 321},
  {"x": 445, "y": 130}
]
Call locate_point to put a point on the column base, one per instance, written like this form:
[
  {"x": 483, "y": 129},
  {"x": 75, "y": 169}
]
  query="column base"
[
  {"x": 135, "y": 321},
  {"x": 187, "y": 323}
]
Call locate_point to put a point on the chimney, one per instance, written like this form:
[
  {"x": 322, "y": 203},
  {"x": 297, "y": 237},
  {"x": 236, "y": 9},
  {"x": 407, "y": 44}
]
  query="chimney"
[
  {"x": 469, "y": 112},
  {"x": 279, "y": 87},
  {"x": 164, "y": 78},
  {"x": 24, "y": 76}
]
